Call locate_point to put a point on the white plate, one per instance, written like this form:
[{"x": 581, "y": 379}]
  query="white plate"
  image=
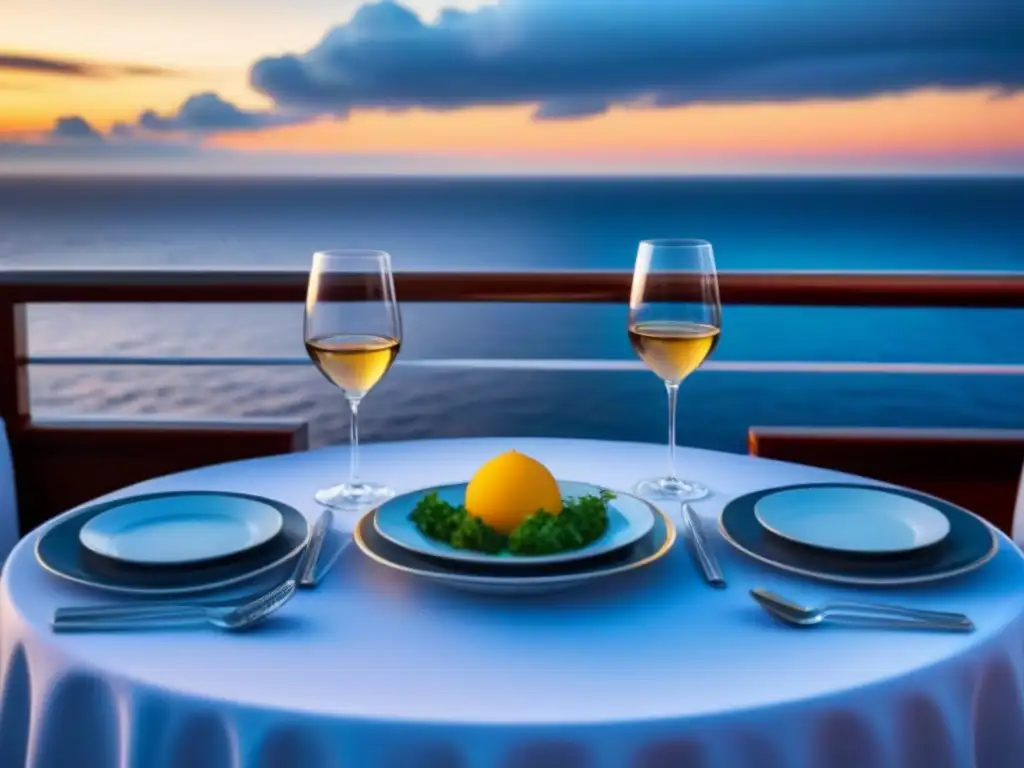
[
  {"x": 60, "y": 552},
  {"x": 629, "y": 519},
  {"x": 852, "y": 520},
  {"x": 181, "y": 529}
]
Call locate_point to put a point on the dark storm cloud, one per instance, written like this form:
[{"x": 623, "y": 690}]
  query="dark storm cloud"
[
  {"x": 206, "y": 113},
  {"x": 48, "y": 65},
  {"x": 577, "y": 57}
]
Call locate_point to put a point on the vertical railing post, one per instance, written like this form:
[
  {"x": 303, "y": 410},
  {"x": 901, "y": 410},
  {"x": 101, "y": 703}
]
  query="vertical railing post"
[
  {"x": 14, "y": 408},
  {"x": 13, "y": 366}
]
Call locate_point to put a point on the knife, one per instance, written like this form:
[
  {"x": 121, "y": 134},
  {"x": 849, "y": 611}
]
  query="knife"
[
  {"x": 337, "y": 542},
  {"x": 305, "y": 572},
  {"x": 701, "y": 552}
]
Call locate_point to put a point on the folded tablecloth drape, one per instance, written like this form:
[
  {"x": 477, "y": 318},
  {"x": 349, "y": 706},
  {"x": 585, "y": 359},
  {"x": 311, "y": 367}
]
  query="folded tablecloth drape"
[{"x": 651, "y": 670}]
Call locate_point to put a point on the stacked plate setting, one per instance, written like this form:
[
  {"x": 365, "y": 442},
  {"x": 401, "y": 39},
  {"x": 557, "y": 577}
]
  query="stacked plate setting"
[
  {"x": 638, "y": 534},
  {"x": 858, "y": 534},
  {"x": 174, "y": 543},
  {"x": 179, "y": 543}
]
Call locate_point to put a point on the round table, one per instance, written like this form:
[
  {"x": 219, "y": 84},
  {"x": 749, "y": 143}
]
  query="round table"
[{"x": 650, "y": 670}]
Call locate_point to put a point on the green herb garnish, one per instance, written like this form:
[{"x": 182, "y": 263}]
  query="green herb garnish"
[{"x": 581, "y": 521}]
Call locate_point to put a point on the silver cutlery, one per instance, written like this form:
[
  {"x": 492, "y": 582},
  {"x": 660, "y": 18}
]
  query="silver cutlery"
[
  {"x": 233, "y": 617},
  {"x": 859, "y": 614},
  {"x": 139, "y": 606},
  {"x": 327, "y": 562},
  {"x": 700, "y": 552},
  {"x": 305, "y": 572},
  {"x": 153, "y": 606}
]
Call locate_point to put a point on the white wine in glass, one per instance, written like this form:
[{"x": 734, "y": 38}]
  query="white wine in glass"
[
  {"x": 353, "y": 332},
  {"x": 353, "y": 362},
  {"x": 675, "y": 321}
]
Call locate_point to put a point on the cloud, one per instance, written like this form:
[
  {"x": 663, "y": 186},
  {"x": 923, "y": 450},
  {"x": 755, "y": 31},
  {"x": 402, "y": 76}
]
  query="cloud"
[
  {"x": 99, "y": 151},
  {"x": 205, "y": 113},
  {"x": 74, "y": 128},
  {"x": 575, "y": 58},
  {"x": 570, "y": 107},
  {"x": 199, "y": 115},
  {"x": 74, "y": 142},
  {"x": 48, "y": 65},
  {"x": 121, "y": 130},
  {"x": 105, "y": 157}
]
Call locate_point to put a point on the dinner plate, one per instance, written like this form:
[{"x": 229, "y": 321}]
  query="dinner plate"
[
  {"x": 971, "y": 543},
  {"x": 529, "y": 579},
  {"x": 868, "y": 521},
  {"x": 59, "y": 552},
  {"x": 180, "y": 529},
  {"x": 629, "y": 519}
]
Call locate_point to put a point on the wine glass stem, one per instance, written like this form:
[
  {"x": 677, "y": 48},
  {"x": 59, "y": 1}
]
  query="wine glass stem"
[
  {"x": 353, "y": 448},
  {"x": 673, "y": 392}
]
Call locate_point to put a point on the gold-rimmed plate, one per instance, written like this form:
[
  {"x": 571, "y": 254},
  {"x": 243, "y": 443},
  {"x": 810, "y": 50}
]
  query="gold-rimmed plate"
[{"x": 524, "y": 580}]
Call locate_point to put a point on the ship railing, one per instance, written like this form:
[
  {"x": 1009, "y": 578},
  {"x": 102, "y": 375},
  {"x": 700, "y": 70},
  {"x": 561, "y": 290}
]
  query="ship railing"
[{"x": 61, "y": 463}]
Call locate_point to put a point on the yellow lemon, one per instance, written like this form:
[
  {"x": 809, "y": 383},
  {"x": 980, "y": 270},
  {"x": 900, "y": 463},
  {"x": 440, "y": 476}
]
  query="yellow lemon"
[{"x": 509, "y": 488}]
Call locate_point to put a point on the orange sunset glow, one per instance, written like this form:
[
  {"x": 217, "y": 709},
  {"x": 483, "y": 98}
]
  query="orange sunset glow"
[
  {"x": 256, "y": 94},
  {"x": 925, "y": 124}
]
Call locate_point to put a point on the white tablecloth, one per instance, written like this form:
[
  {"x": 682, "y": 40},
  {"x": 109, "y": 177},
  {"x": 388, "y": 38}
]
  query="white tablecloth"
[{"x": 653, "y": 670}]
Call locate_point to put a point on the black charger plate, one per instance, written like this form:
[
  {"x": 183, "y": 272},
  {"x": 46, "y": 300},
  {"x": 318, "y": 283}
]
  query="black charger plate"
[
  {"x": 971, "y": 543},
  {"x": 60, "y": 552}
]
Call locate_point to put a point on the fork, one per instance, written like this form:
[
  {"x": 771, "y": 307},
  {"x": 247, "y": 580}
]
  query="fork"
[{"x": 233, "y": 617}]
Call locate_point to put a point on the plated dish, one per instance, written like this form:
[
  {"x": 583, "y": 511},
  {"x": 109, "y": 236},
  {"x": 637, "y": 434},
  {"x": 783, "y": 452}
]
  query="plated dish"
[
  {"x": 59, "y": 551},
  {"x": 628, "y": 520},
  {"x": 970, "y": 543},
  {"x": 513, "y": 512},
  {"x": 513, "y": 504},
  {"x": 181, "y": 528}
]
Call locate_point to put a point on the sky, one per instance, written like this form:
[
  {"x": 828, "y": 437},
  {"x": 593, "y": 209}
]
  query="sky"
[{"x": 513, "y": 86}]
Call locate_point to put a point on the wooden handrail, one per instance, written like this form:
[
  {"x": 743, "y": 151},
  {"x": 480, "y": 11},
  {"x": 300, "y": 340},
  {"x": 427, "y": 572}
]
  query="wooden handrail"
[{"x": 838, "y": 289}]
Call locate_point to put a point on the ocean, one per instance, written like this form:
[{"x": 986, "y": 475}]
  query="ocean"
[{"x": 944, "y": 225}]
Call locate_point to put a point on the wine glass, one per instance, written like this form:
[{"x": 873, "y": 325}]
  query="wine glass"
[
  {"x": 675, "y": 319},
  {"x": 353, "y": 331}
]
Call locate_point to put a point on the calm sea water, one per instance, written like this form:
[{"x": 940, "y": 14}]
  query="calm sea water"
[{"x": 940, "y": 225}]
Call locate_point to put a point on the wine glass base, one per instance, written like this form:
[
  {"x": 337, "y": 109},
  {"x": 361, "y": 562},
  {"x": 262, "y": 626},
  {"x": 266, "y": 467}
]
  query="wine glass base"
[
  {"x": 354, "y": 496},
  {"x": 671, "y": 489}
]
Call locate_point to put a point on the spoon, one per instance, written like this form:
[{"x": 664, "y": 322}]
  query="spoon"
[
  {"x": 233, "y": 618},
  {"x": 859, "y": 614}
]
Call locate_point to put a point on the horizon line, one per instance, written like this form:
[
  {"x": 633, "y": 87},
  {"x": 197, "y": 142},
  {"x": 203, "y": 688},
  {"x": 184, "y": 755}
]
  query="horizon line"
[{"x": 228, "y": 175}]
